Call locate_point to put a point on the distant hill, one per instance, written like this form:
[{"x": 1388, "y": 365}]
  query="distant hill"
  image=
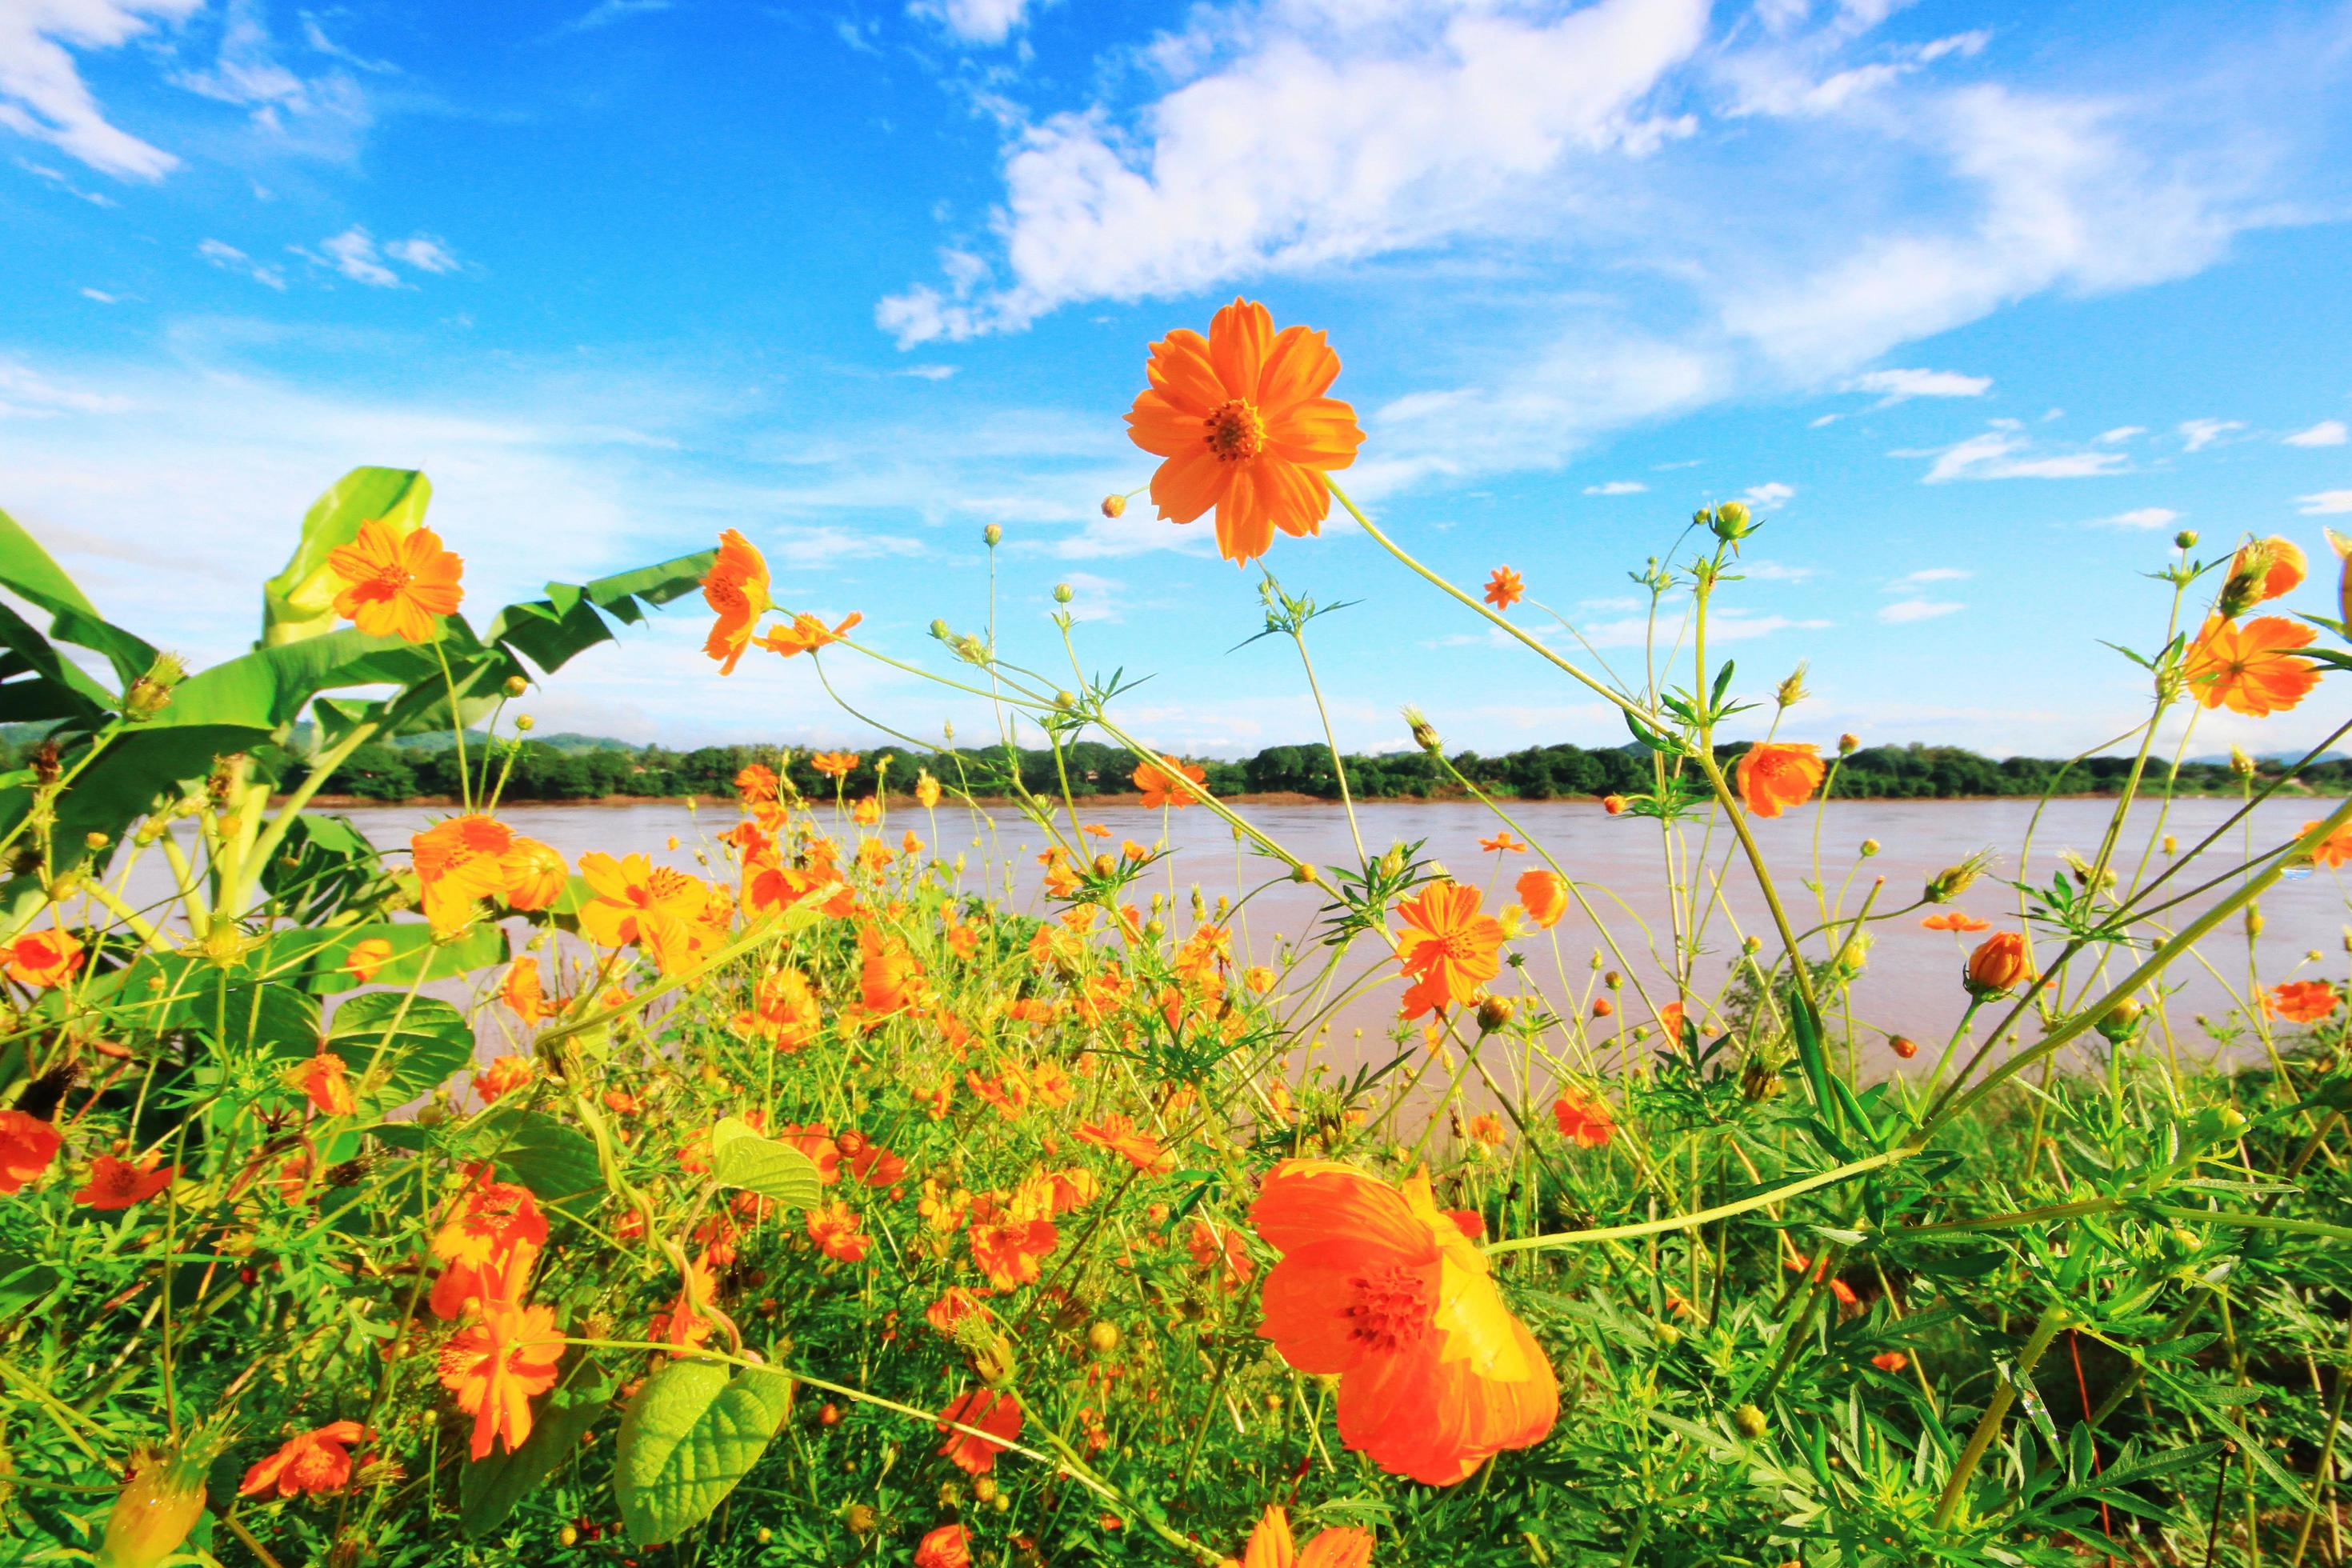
[{"x": 564, "y": 740}]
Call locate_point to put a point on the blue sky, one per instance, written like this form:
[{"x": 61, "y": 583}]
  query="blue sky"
[{"x": 1979, "y": 303}]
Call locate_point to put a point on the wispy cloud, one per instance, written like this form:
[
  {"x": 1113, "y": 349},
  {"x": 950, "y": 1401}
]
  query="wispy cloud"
[
  {"x": 604, "y": 13},
  {"x": 1906, "y": 610},
  {"x": 2325, "y": 503},
  {"x": 2004, "y": 453},
  {"x": 229, "y": 259},
  {"x": 1767, "y": 496},
  {"x": 1894, "y": 386},
  {"x": 43, "y": 96},
  {"x": 2146, "y": 517},
  {"x": 1911, "y": 580},
  {"x": 1617, "y": 488},
  {"x": 2120, "y": 434},
  {"x": 2327, "y": 433},
  {"x": 2196, "y": 434},
  {"x": 975, "y": 21}
]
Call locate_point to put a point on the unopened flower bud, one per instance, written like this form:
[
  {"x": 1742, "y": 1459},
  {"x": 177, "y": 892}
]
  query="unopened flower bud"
[
  {"x": 941, "y": 630},
  {"x": 1114, "y": 505},
  {"x": 2240, "y": 765},
  {"x": 1869, "y": 847},
  {"x": 1731, "y": 521},
  {"x": 2185, "y": 539},
  {"x": 1750, "y": 1421},
  {"x": 161, "y": 1501},
  {"x": 2253, "y": 919},
  {"x": 1494, "y": 1014},
  {"x": 1998, "y": 966},
  {"x": 1424, "y": 733},
  {"x": 515, "y": 685},
  {"x": 1849, "y": 744},
  {"x": 1064, "y": 593},
  {"x": 1953, "y": 880},
  {"x": 94, "y": 840},
  {"x": 1903, "y": 1045},
  {"x": 1066, "y": 700},
  {"x": 2121, "y": 1021},
  {"x": 2250, "y": 570},
  {"x": 1792, "y": 691},
  {"x": 991, "y": 535},
  {"x": 525, "y": 722},
  {"x": 151, "y": 693}
]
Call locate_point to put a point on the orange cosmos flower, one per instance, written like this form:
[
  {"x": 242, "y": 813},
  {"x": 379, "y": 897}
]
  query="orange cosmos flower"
[
  {"x": 311, "y": 1462},
  {"x": 948, "y": 1546},
  {"x": 1124, "y": 1139},
  {"x": 2280, "y": 562},
  {"x": 2301, "y": 1000},
  {"x": 1242, "y": 420},
  {"x": 2333, "y": 850},
  {"x": 1272, "y": 1546},
  {"x": 1164, "y": 785},
  {"x": 118, "y": 1184},
  {"x": 838, "y": 1232},
  {"x": 521, "y": 991},
  {"x": 466, "y": 855},
  {"x": 1504, "y": 588},
  {"x": 1543, "y": 895},
  {"x": 1583, "y": 1119},
  {"x": 1774, "y": 778},
  {"x": 756, "y": 783},
  {"x": 1503, "y": 843},
  {"x": 325, "y": 1084},
  {"x": 498, "y": 1220},
  {"x": 1447, "y": 947},
  {"x": 366, "y": 957},
  {"x": 1007, "y": 1247},
  {"x": 1222, "y": 1251},
  {"x": 1999, "y": 965},
  {"x": 888, "y": 978},
  {"x": 835, "y": 764},
  {"x": 996, "y": 1415},
  {"x": 2251, "y": 669},
  {"x": 736, "y": 589},
  {"x": 41, "y": 959},
  {"x": 496, "y": 1365},
  {"x": 638, "y": 902},
  {"x": 806, "y": 634},
  {"x": 502, "y": 1077},
  {"x": 1890, "y": 1360},
  {"x": 532, "y": 875},
  {"x": 1955, "y": 921},
  {"x": 396, "y": 586},
  {"x": 1379, "y": 1287},
  {"x": 27, "y": 1144}
]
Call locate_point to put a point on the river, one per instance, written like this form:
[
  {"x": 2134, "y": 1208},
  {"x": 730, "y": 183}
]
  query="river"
[{"x": 1910, "y": 984}]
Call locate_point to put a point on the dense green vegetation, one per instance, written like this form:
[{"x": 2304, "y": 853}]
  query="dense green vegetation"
[{"x": 580, "y": 768}]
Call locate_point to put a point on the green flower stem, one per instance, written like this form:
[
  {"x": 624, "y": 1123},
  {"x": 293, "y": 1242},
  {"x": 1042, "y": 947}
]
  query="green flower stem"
[
  {"x": 2054, "y": 1319},
  {"x": 1703, "y": 1216}
]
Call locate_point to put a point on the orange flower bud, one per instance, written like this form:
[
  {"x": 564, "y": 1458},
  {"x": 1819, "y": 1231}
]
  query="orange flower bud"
[{"x": 1998, "y": 965}]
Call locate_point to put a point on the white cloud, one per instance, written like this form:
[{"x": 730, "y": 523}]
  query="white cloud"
[
  {"x": 1897, "y": 385},
  {"x": 229, "y": 259},
  {"x": 1330, "y": 134},
  {"x": 102, "y": 296},
  {"x": 425, "y": 252},
  {"x": 2326, "y": 503},
  {"x": 1617, "y": 488},
  {"x": 975, "y": 21},
  {"x": 1775, "y": 571},
  {"x": 2001, "y": 453},
  {"x": 25, "y": 392},
  {"x": 352, "y": 253},
  {"x": 604, "y": 13},
  {"x": 1914, "y": 580},
  {"x": 2327, "y": 433},
  {"x": 2147, "y": 517},
  {"x": 2121, "y": 433},
  {"x": 1764, "y": 496},
  {"x": 42, "y": 94},
  {"x": 926, "y": 371},
  {"x": 1906, "y": 610},
  {"x": 2196, "y": 434}
]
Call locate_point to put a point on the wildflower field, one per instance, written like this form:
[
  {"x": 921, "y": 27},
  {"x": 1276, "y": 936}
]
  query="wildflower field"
[{"x": 474, "y": 1204}]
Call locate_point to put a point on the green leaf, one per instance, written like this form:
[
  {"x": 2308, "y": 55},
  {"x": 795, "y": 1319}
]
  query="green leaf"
[
  {"x": 488, "y": 1488},
  {"x": 687, "y": 1438},
  {"x": 299, "y": 602},
  {"x": 277, "y": 1018},
  {"x": 555, "y": 1161},
  {"x": 549, "y": 632},
  {"x": 27, "y": 571},
  {"x": 413, "y": 1042},
  {"x": 741, "y": 1157},
  {"x": 415, "y": 956}
]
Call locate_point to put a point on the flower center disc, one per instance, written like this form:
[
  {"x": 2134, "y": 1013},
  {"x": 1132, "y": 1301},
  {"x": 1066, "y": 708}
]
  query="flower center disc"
[
  {"x": 1236, "y": 433},
  {"x": 1390, "y": 1307}
]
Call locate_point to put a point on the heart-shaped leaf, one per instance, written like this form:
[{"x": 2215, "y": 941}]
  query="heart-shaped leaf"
[
  {"x": 741, "y": 1157},
  {"x": 692, "y": 1432}
]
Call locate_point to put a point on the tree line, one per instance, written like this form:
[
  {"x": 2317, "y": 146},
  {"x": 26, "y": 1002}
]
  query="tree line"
[{"x": 543, "y": 772}]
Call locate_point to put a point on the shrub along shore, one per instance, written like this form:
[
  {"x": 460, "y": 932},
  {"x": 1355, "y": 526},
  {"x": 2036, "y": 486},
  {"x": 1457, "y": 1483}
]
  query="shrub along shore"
[{"x": 587, "y": 770}]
